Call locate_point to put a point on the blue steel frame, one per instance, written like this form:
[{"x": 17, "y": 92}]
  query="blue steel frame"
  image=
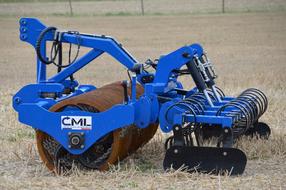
[{"x": 33, "y": 109}]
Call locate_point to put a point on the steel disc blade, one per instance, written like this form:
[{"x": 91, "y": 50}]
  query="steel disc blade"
[{"x": 259, "y": 129}]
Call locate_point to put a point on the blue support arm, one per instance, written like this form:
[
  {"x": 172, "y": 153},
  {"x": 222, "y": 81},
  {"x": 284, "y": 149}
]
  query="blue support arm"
[{"x": 30, "y": 29}]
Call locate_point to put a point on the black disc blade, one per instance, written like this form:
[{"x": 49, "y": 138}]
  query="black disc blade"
[
  {"x": 206, "y": 159},
  {"x": 259, "y": 129}
]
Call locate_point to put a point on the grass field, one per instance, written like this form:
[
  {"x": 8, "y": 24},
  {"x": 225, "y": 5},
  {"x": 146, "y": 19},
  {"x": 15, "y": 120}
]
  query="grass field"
[
  {"x": 133, "y": 7},
  {"x": 248, "y": 50}
]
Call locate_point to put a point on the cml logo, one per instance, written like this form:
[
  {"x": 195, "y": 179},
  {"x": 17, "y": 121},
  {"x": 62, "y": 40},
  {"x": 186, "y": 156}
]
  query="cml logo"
[{"x": 76, "y": 122}]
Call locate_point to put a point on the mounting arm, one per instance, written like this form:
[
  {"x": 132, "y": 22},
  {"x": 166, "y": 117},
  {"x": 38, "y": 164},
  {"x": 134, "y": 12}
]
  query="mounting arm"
[{"x": 31, "y": 28}]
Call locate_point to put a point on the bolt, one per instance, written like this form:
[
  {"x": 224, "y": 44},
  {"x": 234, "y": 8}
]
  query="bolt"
[
  {"x": 75, "y": 140},
  {"x": 24, "y": 36},
  {"x": 17, "y": 100},
  {"x": 226, "y": 130},
  {"x": 69, "y": 133},
  {"x": 224, "y": 153},
  {"x": 82, "y": 133},
  {"x": 69, "y": 146},
  {"x": 186, "y": 55},
  {"x": 23, "y": 29},
  {"x": 23, "y": 22},
  {"x": 176, "y": 151},
  {"x": 177, "y": 128},
  {"x": 82, "y": 146}
]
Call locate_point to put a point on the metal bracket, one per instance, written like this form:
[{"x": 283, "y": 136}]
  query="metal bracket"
[{"x": 76, "y": 140}]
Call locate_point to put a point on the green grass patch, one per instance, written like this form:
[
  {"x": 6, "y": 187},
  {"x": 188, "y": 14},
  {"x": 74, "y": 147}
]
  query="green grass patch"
[{"x": 120, "y": 14}]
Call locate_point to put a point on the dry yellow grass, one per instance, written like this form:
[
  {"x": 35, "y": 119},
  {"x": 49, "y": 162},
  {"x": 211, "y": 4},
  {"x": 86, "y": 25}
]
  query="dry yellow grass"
[
  {"x": 249, "y": 50},
  {"x": 131, "y": 7}
]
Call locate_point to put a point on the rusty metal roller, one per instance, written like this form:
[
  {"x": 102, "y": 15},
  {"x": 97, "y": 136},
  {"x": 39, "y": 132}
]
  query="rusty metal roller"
[
  {"x": 120, "y": 142},
  {"x": 139, "y": 136}
]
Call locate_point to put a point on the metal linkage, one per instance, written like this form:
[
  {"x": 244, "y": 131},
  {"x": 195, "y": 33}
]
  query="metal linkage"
[
  {"x": 208, "y": 66},
  {"x": 183, "y": 135},
  {"x": 193, "y": 105},
  {"x": 202, "y": 67},
  {"x": 208, "y": 70}
]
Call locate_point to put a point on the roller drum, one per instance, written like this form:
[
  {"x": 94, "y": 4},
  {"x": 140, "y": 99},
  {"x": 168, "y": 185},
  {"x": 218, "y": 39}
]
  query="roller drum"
[{"x": 124, "y": 141}]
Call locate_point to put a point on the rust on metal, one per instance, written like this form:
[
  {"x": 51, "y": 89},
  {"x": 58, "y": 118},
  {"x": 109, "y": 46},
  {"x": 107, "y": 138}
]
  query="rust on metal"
[{"x": 125, "y": 140}]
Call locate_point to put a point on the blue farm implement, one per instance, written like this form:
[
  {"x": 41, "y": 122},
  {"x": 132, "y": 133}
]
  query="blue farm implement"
[{"x": 89, "y": 127}]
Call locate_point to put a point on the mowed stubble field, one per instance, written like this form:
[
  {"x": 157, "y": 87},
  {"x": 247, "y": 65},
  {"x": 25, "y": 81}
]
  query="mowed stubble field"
[{"x": 248, "y": 50}]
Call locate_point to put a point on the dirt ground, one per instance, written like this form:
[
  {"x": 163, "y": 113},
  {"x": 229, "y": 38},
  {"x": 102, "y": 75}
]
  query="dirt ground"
[
  {"x": 248, "y": 50},
  {"x": 133, "y": 7}
]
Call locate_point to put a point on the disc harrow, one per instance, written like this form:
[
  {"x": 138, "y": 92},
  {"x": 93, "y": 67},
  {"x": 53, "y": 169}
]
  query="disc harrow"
[{"x": 92, "y": 128}]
